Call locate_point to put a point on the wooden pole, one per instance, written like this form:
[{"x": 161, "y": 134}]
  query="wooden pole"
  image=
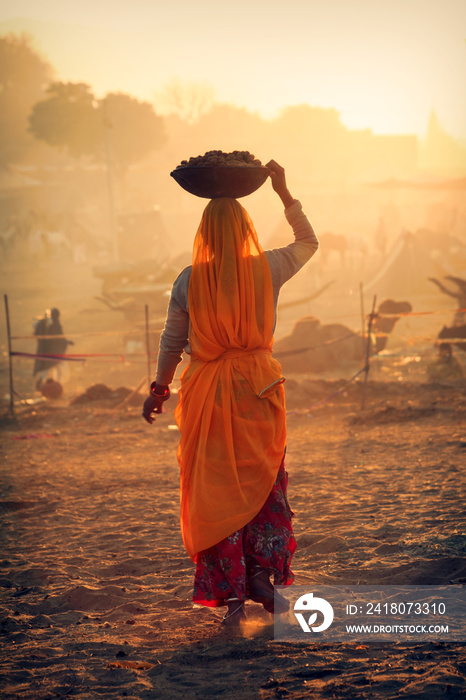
[
  {"x": 368, "y": 352},
  {"x": 148, "y": 347},
  {"x": 363, "y": 317},
  {"x": 111, "y": 200},
  {"x": 10, "y": 359}
]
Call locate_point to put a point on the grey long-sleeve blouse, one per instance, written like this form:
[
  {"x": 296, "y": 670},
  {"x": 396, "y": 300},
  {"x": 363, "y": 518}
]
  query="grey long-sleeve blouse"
[{"x": 284, "y": 263}]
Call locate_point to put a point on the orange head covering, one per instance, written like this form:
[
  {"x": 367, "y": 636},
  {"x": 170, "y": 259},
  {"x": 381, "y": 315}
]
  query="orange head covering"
[
  {"x": 232, "y": 430},
  {"x": 230, "y": 300}
]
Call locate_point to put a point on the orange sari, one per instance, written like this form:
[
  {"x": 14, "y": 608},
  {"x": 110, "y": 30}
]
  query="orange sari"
[{"x": 231, "y": 408}]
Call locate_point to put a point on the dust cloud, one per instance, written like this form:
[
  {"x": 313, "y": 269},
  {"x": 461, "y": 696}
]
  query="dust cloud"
[{"x": 101, "y": 242}]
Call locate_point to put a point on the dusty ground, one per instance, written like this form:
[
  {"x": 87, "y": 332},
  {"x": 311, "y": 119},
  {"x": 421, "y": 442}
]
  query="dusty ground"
[{"x": 95, "y": 582}]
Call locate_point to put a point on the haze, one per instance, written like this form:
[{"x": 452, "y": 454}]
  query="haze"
[
  {"x": 362, "y": 102},
  {"x": 383, "y": 66}
]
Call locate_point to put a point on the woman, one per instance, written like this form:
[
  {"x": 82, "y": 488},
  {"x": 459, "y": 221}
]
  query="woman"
[
  {"x": 49, "y": 325},
  {"x": 235, "y": 518}
]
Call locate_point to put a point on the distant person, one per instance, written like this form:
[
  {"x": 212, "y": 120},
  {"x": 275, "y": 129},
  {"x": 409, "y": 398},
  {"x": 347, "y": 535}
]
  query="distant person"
[
  {"x": 48, "y": 325},
  {"x": 235, "y": 517},
  {"x": 446, "y": 367}
]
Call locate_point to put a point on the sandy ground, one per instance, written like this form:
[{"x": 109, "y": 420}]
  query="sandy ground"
[{"x": 96, "y": 585}]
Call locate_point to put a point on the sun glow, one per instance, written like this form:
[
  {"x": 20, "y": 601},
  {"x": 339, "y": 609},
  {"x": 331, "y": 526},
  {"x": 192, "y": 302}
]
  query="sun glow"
[{"x": 382, "y": 66}]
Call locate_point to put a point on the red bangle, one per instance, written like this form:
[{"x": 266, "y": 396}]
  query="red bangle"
[{"x": 156, "y": 395}]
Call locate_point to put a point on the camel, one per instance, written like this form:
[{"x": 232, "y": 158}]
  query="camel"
[
  {"x": 313, "y": 347},
  {"x": 456, "y": 334}
]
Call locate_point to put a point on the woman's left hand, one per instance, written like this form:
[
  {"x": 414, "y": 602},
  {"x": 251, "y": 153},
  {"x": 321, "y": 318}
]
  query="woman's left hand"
[
  {"x": 154, "y": 402},
  {"x": 151, "y": 406}
]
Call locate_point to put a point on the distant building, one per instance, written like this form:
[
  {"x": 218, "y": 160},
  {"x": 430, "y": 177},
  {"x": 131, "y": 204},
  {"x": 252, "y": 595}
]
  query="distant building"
[
  {"x": 441, "y": 152},
  {"x": 393, "y": 155}
]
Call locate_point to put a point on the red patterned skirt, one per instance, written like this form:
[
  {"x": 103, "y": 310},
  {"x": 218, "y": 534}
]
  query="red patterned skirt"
[{"x": 266, "y": 541}]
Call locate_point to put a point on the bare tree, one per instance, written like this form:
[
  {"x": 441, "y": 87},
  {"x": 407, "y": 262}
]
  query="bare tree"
[{"x": 188, "y": 100}]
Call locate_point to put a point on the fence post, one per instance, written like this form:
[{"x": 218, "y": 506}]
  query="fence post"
[
  {"x": 10, "y": 359},
  {"x": 368, "y": 352},
  {"x": 363, "y": 318},
  {"x": 148, "y": 347}
]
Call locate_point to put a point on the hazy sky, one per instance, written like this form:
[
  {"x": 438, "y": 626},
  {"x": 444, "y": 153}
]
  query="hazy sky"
[{"x": 383, "y": 64}]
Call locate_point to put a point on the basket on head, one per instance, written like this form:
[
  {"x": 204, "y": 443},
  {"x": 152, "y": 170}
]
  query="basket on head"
[{"x": 220, "y": 180}]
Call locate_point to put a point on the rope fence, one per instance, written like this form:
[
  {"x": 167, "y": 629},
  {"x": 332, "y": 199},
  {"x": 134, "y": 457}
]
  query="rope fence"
[
  {"x": 78, "y": 357},
  {"x": 148, "y": 356},
  {"x": 88, "y": 334},
  {"x": 82, "y": 357},
  {"x": 441, "y": 312}
]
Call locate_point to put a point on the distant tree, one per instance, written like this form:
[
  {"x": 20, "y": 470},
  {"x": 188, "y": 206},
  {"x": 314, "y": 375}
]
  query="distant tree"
[
  {"x": 315, "y": 136},
  {"x": 317, "y": 125},
  {"x": 118, "y": 127},
  {"x": 230, "y": 127},
  {"x": 132, "y": 128},
  {"x": 24, "y": 76},
  {"x": 68, "y": 118}
]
